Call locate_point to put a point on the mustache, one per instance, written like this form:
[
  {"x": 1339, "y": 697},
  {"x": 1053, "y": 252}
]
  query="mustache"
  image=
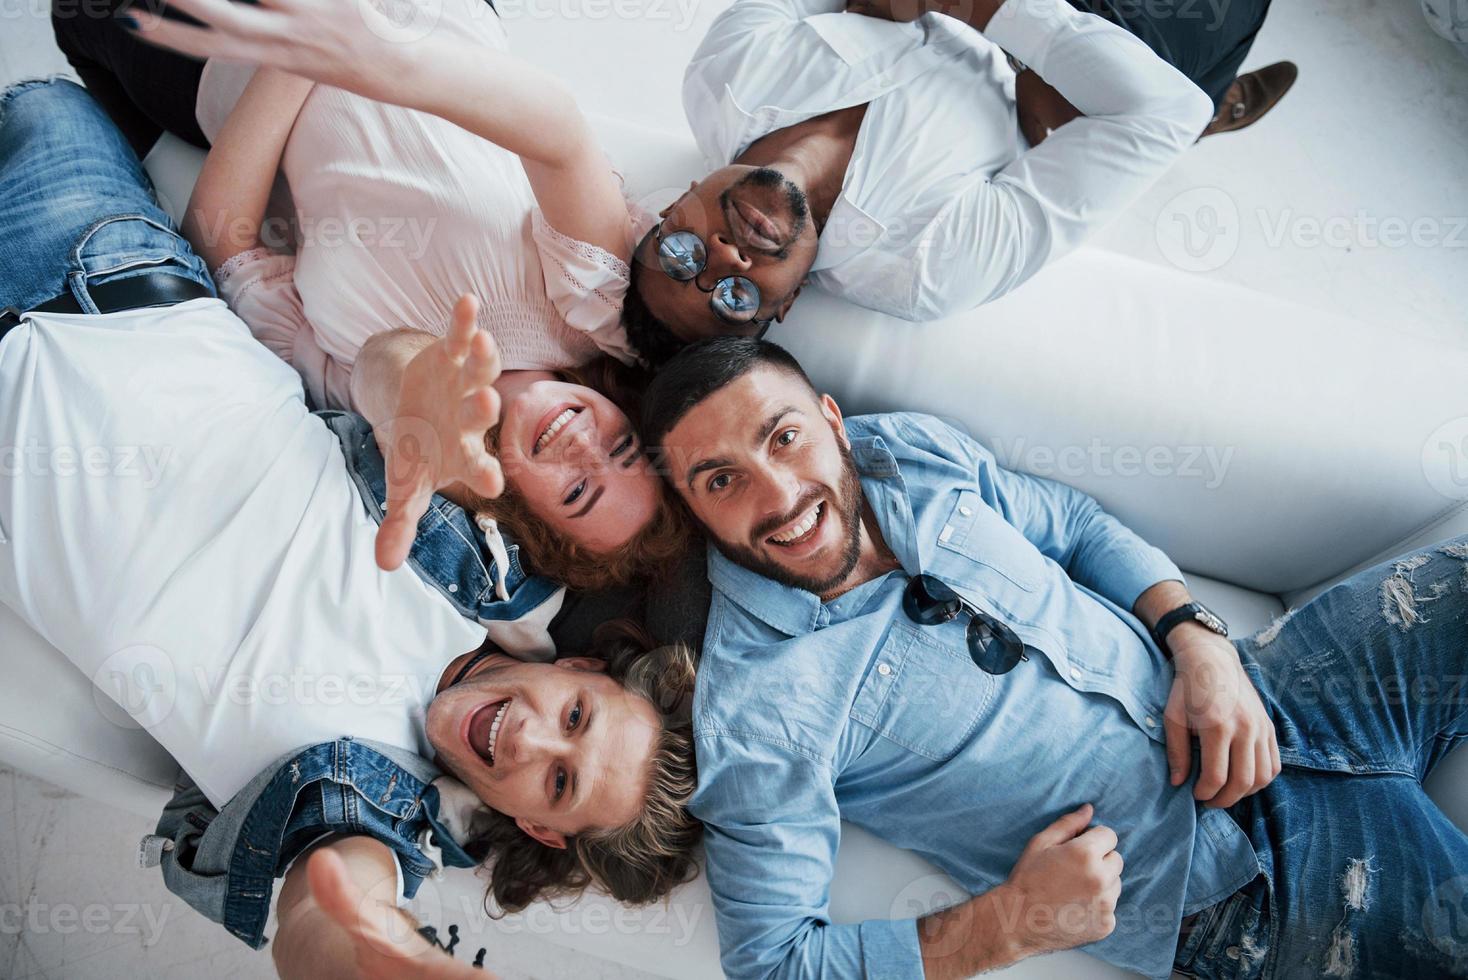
[
  {"x": 769, "y": 526},
  {"x": 768, "y": 177}
]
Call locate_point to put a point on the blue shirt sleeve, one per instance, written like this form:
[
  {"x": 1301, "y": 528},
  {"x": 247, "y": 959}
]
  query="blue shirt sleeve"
[
  {"x": 1071, "y": 528},
  {"x": 772, "y": 832}
]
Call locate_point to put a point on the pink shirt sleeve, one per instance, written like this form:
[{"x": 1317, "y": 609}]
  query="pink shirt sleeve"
[
  {"x": 587, "y": 285},
  {"x": 259, "y": 285}
]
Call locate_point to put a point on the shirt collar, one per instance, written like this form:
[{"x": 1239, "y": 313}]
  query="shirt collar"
[
  {"x": 849, "y": 232},
  {"x": 796, "y": 612}
]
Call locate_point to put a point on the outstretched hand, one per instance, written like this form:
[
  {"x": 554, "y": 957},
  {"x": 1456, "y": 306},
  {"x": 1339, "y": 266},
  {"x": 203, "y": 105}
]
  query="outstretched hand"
[
  {"x": 385, "y": 944},
  {"x": 352, "y": 46},
  {"x": 436, "y": 439}
]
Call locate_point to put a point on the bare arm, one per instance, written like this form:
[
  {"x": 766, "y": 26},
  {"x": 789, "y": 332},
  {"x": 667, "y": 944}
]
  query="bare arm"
[
  {"x": 227, "y": 207},
  {"x": 339, "y": 918},
  {"x": 487, "y": 92}
]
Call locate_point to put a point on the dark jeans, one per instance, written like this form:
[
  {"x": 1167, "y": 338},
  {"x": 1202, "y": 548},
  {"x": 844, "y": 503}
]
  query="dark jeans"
[
  {"x": 1206, "y": 40},
  {"x": 1363, "y": 875},
  {"x": 145, "y": 89}
]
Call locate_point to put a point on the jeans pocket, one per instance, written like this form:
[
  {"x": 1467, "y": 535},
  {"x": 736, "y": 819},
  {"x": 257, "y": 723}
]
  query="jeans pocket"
[{"x": 130, "y": 244}]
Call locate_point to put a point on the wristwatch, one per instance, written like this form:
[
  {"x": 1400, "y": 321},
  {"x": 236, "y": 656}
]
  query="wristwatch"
[{"x": 1192, "y": 611}]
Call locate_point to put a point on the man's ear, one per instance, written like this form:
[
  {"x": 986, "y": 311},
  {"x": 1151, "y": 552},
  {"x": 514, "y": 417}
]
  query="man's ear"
[
  {"x": 832, "y": 413},
  {"x": 542, "y": 833},
  {"x": 594, "y": 665}
]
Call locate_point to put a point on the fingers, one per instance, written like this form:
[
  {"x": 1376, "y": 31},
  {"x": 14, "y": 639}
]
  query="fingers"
[
  {"x": 1113, "y": 864},
  {"x": 462, "y": 327},
  {"x": 1240, "y": 782},
  {"x": 333, "y": 889},
  {"x": 1179, "y": 744},
  {"x": 483, "y": 364},
  {"x": 1063, "y": 828},
  {"x": 1274, "y": 751},
  {"x": 1213, "y": 770},
  {"x": 478, "y": 413},
  {"x": 1099, "y": 840},
  {"x": 395, "y": 538}
]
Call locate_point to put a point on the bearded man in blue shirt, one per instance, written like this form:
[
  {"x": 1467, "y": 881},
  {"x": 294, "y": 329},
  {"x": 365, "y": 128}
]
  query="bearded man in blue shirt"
[{"x": 986, "y": 668}]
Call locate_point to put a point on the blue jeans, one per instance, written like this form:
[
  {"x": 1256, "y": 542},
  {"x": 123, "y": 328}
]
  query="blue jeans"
[
  {"x": 78, "y": 209},
  {"x": 1363, "y": 875}
]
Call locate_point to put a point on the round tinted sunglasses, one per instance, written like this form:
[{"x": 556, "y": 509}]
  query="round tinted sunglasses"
[
  {"x": 734, "y": 299},
  {"x": 992, "y": 645}
]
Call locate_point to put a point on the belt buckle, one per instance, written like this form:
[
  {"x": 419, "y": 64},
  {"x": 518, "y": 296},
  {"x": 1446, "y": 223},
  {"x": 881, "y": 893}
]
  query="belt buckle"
[{"x": 10, "y": 316}]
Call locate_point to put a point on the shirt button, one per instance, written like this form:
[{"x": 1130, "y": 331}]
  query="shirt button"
[
  {"x": 966, "y": 511},
  {"x": 453, "y": 587},
  {"x": 883, "y": 669},
  {"x": 1075, "y": 674},
  {"x": 1232, "y": 952},
  {"x": 1151, "y": 722}
]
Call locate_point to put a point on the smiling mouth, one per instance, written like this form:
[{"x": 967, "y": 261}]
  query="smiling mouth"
[
  {"x": 557, "y": 424},
  {"x": 802, "y": 530},
  {"x": 484, "y": 729}
]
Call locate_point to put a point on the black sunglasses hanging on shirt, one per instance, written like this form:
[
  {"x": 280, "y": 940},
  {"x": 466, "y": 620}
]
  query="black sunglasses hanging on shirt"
[{"x": 992, "y": 645}]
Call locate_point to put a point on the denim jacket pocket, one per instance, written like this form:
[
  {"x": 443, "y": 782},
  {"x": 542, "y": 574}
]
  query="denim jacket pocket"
[{"x": 921, "y": 695}]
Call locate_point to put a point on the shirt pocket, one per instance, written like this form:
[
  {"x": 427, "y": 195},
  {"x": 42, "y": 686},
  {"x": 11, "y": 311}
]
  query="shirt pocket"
[
  {"x": 977, "y": 532},
  {"x": 923, "y": 692}
]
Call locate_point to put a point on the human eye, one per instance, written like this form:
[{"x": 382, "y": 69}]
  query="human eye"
[
  {"x": 576, "y": 493},
  {"x": 786, "y": 438},
  {"x": 719, "y": 482},
  {"x": 573, "y": 720},
  {"x": 560, "y": 789},
  {"x": 623, "y": 446}
]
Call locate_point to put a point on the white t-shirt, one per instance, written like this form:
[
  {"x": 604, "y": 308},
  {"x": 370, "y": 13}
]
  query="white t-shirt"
[{"x": 178, "y": 524}]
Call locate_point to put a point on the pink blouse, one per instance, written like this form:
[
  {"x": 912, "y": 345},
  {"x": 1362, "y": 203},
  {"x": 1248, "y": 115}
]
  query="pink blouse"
[{"x": 397, "y": 214}]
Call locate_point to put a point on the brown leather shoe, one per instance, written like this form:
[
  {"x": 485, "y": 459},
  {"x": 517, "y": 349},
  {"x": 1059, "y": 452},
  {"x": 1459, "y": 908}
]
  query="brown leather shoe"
[{"x": 1251, "y": 96}]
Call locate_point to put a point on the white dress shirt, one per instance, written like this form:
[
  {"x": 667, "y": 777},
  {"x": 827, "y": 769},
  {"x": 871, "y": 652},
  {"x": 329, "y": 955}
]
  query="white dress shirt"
[{"x": 944, "y": 205}]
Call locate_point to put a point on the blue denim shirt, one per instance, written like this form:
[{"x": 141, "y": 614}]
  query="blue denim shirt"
[{"x": 807, "y": 713}]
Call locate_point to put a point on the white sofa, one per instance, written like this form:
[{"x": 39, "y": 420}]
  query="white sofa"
[{"x": 1331, "y": 447}]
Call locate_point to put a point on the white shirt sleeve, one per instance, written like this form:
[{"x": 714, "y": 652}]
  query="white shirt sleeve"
[{"x": 1141, "y": 114}]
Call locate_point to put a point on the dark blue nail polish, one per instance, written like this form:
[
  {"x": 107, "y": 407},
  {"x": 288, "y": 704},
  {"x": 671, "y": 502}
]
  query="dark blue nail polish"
[{"x": 129, "y": 21}]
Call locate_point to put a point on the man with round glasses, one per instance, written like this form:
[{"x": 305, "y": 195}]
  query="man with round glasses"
[
  {"x": 988, "y": 669},
  {"x": 913, "y": 168}
]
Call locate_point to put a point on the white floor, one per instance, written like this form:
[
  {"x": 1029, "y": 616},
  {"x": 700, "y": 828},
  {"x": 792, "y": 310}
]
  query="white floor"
[{"x": 1352, "y": 196}]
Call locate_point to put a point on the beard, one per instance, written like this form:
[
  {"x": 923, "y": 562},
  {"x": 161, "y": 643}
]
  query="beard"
[
  {"x": 846, "y": 506},
  {"x": 768, "y": 178}
]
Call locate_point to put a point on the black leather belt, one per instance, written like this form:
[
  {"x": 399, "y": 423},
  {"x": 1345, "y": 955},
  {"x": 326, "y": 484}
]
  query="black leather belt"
[{"x": 132, "y": 293}]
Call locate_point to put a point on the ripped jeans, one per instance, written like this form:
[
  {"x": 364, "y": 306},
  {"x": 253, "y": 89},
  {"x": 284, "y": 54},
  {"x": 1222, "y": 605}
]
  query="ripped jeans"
[{"x": 1363, "y": 875}]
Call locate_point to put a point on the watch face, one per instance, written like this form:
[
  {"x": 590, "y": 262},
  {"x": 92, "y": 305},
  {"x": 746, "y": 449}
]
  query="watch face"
[{"x": 1206, "y": 616}]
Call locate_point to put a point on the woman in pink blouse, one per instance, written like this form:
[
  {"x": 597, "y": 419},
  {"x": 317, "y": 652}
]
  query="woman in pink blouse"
[{"x": 421, "y": 169}]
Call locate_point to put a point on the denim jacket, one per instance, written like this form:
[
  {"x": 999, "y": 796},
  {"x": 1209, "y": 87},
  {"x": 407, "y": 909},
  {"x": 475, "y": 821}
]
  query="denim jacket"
[{"x": 224, "y": 863}]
